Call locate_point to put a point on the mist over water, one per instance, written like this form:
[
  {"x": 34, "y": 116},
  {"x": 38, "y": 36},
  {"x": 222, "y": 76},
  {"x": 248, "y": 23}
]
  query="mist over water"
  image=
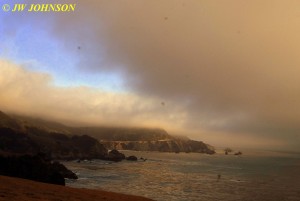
[{"x": 179, "y": 177}]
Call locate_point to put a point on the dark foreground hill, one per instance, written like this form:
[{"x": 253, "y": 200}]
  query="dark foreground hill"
[
  {"x": 15, "y": 189},
  {"x": 24, "y": 138},
  {"x": 37, "y": 168}
]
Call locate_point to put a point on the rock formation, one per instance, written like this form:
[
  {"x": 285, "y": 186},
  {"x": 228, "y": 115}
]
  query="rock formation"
[
  {"x": 171, "y": 145},
  {"x": 115, "y": 155},
  {"x": 55, "y": 145},
  {"x": 131, "y": 158},
  {"x": 37, "y": 168},
  {"x": 145, "y": 139}
]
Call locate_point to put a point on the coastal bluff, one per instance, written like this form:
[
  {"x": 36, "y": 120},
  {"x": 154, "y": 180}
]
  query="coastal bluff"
[
  {"x": 29, "y": 136},
  {"x": 146, "y": 139},
  {"x": 25, "y": 134}
]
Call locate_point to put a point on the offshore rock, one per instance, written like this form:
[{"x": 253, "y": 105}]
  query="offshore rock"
[
  {"x": 66, "y": 173},
  {"x": 131, "y": 158},
  {"x": 115, "y": 155}
]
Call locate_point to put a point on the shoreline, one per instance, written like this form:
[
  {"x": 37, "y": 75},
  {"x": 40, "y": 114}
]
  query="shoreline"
[{"x": 17, "y": 189}]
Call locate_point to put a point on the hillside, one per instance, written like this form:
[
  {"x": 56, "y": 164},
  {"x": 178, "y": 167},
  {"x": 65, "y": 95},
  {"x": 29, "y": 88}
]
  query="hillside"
[
  {"x": 61, "y": 141},
  {"x": 15, "y": 189},
  {"x": 144, "y": 139},
  {"x": 19, "y": 137},
  {"x": 123, "y": 133},
  {"x": 161, "y": 146},
  {"x": 8, "y": 122}
]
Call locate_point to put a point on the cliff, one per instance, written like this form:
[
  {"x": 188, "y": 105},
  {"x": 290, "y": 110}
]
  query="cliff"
[
  {"x": 37, "y": 168},
  {"x": 145, "y": 139},
  {"x": 25, "y": 134},
  {"x": 161, "y": 145}
]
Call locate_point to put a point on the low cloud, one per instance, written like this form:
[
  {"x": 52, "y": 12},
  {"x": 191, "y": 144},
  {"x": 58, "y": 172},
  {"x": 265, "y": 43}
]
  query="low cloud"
[
  {"x": 227, "y": 70},
  {"x": 233, "y": 65},
  {"x": 31, "y": 93}
]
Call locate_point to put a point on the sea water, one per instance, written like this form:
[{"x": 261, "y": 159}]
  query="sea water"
[{"x": 261, "y": 176}]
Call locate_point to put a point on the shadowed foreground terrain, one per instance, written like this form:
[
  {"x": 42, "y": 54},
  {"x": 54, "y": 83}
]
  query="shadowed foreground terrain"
[{"x": 15, "y": 189}]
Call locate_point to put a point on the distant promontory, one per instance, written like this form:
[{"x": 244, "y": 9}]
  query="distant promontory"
[
  {"x": 28, "y": 135},
  {"x": 145, "y": 139}
]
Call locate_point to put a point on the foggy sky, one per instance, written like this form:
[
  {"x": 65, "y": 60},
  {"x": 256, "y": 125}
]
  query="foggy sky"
[{"x": 215, "y": 70}]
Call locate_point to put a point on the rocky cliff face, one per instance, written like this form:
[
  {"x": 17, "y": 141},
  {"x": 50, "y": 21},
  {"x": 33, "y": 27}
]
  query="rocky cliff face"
[
  {"x": 161, "y": 145},
  {"x": 56, "y": 146},
  {"x": 27, "y": 135},
  {"x": 145, "y": 139},
  {"x": 35, "y": 167}
]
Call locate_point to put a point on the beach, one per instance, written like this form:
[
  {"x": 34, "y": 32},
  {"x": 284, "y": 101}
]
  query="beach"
[{"x": 16, "y": 189}]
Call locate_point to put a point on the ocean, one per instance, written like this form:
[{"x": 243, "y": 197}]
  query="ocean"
[{"x": 253, "y": 176}]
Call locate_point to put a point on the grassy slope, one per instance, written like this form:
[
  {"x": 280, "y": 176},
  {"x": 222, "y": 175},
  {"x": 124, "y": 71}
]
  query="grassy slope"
[{"x": 15, "y": 189}]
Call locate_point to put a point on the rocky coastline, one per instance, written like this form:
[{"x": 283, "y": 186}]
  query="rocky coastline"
[
  {"x": 30, "y": 149},
  {"x": 169, "y": 145},
  {"x": 35, "y": 167}
]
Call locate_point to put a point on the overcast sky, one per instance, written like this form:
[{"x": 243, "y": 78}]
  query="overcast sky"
[{"x": 225, "y": 72}]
